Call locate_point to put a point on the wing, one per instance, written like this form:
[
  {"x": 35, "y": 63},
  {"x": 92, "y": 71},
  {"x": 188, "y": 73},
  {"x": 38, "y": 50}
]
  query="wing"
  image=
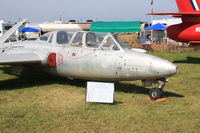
[
  {"x": 11, "y": 31},
  {"x": 16, "y": 55},
  {"x": 21, "y": 58},
  {"x": 179, "y": 14}
]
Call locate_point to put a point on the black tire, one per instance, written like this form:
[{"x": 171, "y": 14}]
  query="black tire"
[{"x": 155, "y": 93}]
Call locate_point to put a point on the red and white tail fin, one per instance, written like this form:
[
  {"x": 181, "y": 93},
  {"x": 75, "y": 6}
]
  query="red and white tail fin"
[
  {"x": 188, "y": 5},
  {"x": 187, "y": 9}
]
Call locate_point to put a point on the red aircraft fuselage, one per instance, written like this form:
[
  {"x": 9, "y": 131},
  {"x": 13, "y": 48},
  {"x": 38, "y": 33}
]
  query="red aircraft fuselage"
[{"x": 184, "y": 32}]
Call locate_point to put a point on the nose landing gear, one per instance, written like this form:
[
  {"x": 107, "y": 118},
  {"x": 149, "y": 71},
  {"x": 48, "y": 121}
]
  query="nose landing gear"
[{"x": 157, "y": 93}]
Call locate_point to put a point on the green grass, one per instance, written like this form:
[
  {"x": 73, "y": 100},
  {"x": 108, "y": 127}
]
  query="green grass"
[{"x": 39, "y": 103}]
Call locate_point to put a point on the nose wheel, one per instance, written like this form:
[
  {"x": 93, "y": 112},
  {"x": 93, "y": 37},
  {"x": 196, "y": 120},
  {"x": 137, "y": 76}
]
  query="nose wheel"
[{"x": 157, "y": 93}]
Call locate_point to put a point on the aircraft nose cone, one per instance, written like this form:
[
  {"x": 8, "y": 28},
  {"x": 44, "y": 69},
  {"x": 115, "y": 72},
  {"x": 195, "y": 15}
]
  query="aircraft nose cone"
[
  {"x": 164, "y": 68},
  {"x": 172, "y": 68}
]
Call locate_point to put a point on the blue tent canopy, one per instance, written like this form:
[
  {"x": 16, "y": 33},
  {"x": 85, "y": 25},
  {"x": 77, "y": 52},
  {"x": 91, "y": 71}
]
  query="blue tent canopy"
[
  {"x": 29, "y": 29},
  {"x": 157, "y": 26}
]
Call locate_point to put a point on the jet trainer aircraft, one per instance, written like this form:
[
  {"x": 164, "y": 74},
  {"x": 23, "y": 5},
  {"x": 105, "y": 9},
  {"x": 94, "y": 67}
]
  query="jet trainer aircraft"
[
  {"x": 189, "y": 30},
  {"x": 86, "y": 55}
]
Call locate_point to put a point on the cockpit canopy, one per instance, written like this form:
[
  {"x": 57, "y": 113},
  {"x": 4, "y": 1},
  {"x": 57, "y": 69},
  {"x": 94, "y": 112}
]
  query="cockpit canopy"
[
  {"x": 59, "y": 37},
  {"x": 83, "y": 39}
]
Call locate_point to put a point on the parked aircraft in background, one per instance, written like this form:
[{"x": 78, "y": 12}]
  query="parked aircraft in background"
[
  {"x": 86, "y": 55},
  {"x": 189, "y": 30}
]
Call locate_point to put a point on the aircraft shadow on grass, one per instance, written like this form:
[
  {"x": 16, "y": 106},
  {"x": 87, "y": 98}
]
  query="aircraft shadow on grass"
[
  {"x": 190, "y": 60},
  {"x": 31, "y": 78}
]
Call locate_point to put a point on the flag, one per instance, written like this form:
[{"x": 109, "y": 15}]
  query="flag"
[{"x": 151, "y": 2}]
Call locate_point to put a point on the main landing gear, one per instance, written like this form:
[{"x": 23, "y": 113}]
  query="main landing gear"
[{"x": 157, "y": 93}]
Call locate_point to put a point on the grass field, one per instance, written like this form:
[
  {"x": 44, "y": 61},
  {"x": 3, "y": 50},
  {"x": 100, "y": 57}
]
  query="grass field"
[{"x": 39, "y": 103}]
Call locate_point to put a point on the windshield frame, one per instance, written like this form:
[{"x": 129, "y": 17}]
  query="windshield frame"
[
  {"x": 110, "y": 35},
  {"x": 122, "y": 43},
  {"x": 96, "y": 33}
]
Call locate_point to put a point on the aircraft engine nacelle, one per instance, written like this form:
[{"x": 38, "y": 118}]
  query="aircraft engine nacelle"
[
  {"x": 54, "y": 59},
  {"x": 184, "y": 32}
]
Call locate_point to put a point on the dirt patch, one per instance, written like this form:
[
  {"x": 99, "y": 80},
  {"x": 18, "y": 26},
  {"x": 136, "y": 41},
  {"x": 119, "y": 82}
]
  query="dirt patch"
[{"x": 132, "y": 40}]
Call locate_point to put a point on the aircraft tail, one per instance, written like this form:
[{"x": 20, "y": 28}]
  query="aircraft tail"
[
  {"x": 11, "y": 31},
  {"x": 188, "y": 5},
  {"x": 189, "y": 11}
]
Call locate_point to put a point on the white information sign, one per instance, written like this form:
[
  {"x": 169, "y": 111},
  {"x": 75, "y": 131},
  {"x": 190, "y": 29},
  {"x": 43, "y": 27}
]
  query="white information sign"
[{"x": 100, "y": 92}]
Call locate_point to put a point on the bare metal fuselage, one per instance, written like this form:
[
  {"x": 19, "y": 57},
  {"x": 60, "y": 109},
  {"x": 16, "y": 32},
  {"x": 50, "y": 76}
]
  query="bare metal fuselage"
[
  {"x": 87, "y": 63},
  {"x": 113, "y": 66}
]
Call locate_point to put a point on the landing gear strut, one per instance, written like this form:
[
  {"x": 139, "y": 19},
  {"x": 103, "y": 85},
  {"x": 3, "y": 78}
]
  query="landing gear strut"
[{"x": 157, "y": 93}]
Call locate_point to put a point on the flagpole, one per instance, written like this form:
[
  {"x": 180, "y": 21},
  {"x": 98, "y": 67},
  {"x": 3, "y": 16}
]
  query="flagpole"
[{"x": 152, "y": 11}]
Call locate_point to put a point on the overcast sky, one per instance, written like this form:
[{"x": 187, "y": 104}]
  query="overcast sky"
[{"x": 107, "y": 10}]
